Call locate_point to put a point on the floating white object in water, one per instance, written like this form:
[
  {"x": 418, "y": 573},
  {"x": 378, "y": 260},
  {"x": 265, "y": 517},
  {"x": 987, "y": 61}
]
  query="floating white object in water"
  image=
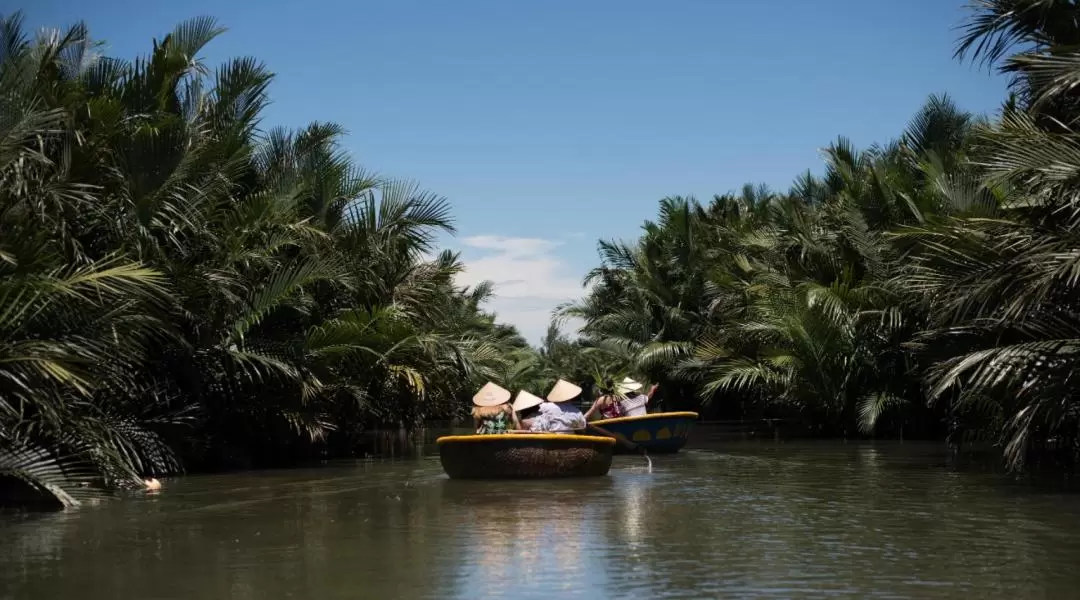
[{"x": 152, "y": 484}]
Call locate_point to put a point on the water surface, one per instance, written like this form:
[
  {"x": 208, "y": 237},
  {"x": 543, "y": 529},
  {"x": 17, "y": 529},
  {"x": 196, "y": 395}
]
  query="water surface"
[{"x": 740, "y": 520}]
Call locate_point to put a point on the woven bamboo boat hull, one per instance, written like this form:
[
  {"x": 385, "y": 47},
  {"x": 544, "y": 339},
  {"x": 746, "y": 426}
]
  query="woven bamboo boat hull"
[
  {"x": 657, "y": 433},
  {"x": 525, "y": 456}
]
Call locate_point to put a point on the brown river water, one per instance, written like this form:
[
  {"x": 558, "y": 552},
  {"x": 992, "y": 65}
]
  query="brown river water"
[{"x": 723, "y": 520}]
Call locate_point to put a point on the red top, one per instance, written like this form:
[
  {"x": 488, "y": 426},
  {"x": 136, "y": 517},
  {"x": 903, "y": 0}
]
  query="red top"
[{"x": 612, "y": 411}]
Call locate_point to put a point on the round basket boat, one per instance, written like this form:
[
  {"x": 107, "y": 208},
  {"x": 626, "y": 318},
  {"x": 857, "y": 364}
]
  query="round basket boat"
[
  {"x": 524, "y": 455},
  {"x": 657, "y": 433}
]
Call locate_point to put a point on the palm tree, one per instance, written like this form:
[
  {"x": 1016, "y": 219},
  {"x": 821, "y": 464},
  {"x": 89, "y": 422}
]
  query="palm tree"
[
  {"x": 1001, "y": 285},
  {"x": 788, "y": 304},
  {"x": 179, "y": 286},
  {"x": 937, "y": 267}
]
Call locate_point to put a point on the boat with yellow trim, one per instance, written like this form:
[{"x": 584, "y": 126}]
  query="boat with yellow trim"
[
  {"x": 525, "y": 455},
  {"x": 657, "y": 433}
]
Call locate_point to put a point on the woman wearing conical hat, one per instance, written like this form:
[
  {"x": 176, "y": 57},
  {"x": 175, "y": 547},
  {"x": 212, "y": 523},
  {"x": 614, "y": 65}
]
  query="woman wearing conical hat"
[
  {"x": 492, "y": 412},
  {"x": 527, "y": 408},
  {"x": 563, "y": 416},
  {"x": 635, "y": 403}
]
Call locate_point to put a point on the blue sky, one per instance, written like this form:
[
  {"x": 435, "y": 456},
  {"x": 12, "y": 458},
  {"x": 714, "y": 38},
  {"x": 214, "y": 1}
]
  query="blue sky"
[{"x": 551, "y": 124}]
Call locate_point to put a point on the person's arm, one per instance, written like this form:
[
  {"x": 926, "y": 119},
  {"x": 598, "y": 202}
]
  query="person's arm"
[
  {"x": 584, "y": 425},
  {"x": 514, "y": 419},
  {"x": 476, "y": 424},
  {"x": 652, "y": 390},
  {"x": 592, "y": 409}
]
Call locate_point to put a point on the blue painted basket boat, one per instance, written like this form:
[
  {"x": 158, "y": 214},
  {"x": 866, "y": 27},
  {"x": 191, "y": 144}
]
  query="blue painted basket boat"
[{"x": 657, "y": 433}]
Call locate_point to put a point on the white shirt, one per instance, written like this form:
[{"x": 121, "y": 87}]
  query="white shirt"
[
  {"x": 563, "y": 417},
  {"x": 636, "y": 406}
]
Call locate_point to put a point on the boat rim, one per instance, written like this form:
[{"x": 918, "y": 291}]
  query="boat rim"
[
  {"x": 483, "y": 437},
  {"x": 664, "y": 415}
]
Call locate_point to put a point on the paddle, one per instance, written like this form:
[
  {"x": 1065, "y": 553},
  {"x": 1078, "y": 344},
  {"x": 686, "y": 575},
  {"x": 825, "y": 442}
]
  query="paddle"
[{"x": 618, "y": 437}]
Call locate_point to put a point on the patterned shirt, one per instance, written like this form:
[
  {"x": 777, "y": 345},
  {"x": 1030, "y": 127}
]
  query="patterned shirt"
[{"x": 500, "y": 423}]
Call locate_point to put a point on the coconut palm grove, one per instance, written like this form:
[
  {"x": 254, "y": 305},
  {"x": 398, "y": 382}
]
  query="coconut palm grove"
[{"x": 184, "y": 286}]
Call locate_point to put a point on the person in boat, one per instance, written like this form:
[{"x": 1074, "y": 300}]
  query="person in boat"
[
  {"x": 542, "y": 420},
  {"x": 527, "y": 407},
  {"x": 492, "y": 412},
  {"x": 561, "y": 414},
  {"x": 607, "y": 406},
  {"x": 637, "y": 404}
]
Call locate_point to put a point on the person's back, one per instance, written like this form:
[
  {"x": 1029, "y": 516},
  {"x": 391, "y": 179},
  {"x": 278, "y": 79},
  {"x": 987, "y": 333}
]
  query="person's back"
[
  {"x": 566, "y": 416},
  {"x": 526, "y": 417},
  {"x": 607, "y": 406},
  {"x": 492, "y": 412},
  {"x": 545, "y": 419},
  {"x": 637, "y": 404},
  {"x": 527, "y": 406},
  {"x": 611, "y": 408},
  {"x": 557, "y": 418},
  {"x": 570, "y": 416},
  {"x": 493, "y": 419}
]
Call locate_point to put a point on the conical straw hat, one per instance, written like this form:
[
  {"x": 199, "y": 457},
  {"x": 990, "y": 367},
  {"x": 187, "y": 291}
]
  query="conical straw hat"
[
  {"x": 491, "y": 395},
  {"x": 628, "y": 385},
  {"x": 563, "y": 391},
  {"x": 526, "y": 400}
]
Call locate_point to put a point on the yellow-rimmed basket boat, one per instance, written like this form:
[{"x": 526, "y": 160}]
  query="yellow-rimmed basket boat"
[
  {"x": 525, "y": 455},
  {"x": 657, "y": 433}
]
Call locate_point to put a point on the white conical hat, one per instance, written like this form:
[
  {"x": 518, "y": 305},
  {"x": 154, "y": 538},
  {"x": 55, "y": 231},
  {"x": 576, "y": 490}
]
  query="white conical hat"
[
  {"x": 563, "y": 391},
  {"x": 526, "y": 400},
  {"x": 491, "y": 395},
  {"x": 628, "y": 385}
]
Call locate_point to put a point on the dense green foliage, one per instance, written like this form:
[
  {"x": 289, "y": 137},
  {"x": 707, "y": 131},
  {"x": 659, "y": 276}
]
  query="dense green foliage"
[
  {"x": 182, "y": 287},
  {"x": 932, "y": 282}
]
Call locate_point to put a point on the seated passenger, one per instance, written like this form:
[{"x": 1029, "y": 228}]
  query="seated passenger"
[
  {"x": 493, "y": 413},
  {"x": 565, "y": 415},
  {"x": 547, "y": 419},
  {"x": 527, "y": 407},
  {"x": 635, "y": 404},
  {"x": 607, "y": 406}
]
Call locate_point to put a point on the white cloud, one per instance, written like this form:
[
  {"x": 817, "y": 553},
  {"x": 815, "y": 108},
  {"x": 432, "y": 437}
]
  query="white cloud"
[{"x": 530, "y": 280}]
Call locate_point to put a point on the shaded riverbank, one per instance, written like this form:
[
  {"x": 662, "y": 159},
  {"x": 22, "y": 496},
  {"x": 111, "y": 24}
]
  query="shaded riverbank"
[{"x": 761, "y": 435}]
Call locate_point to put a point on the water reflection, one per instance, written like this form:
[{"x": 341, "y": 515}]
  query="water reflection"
[
  {"x": 633, "y": 503},
  {"x": 757, "y": 521},
  {"x": 525, "y": 537}
]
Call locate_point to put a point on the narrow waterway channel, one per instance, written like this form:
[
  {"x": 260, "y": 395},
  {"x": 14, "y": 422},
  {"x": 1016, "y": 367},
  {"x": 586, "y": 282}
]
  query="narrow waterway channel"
[{"x": 731, "y": 520}]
